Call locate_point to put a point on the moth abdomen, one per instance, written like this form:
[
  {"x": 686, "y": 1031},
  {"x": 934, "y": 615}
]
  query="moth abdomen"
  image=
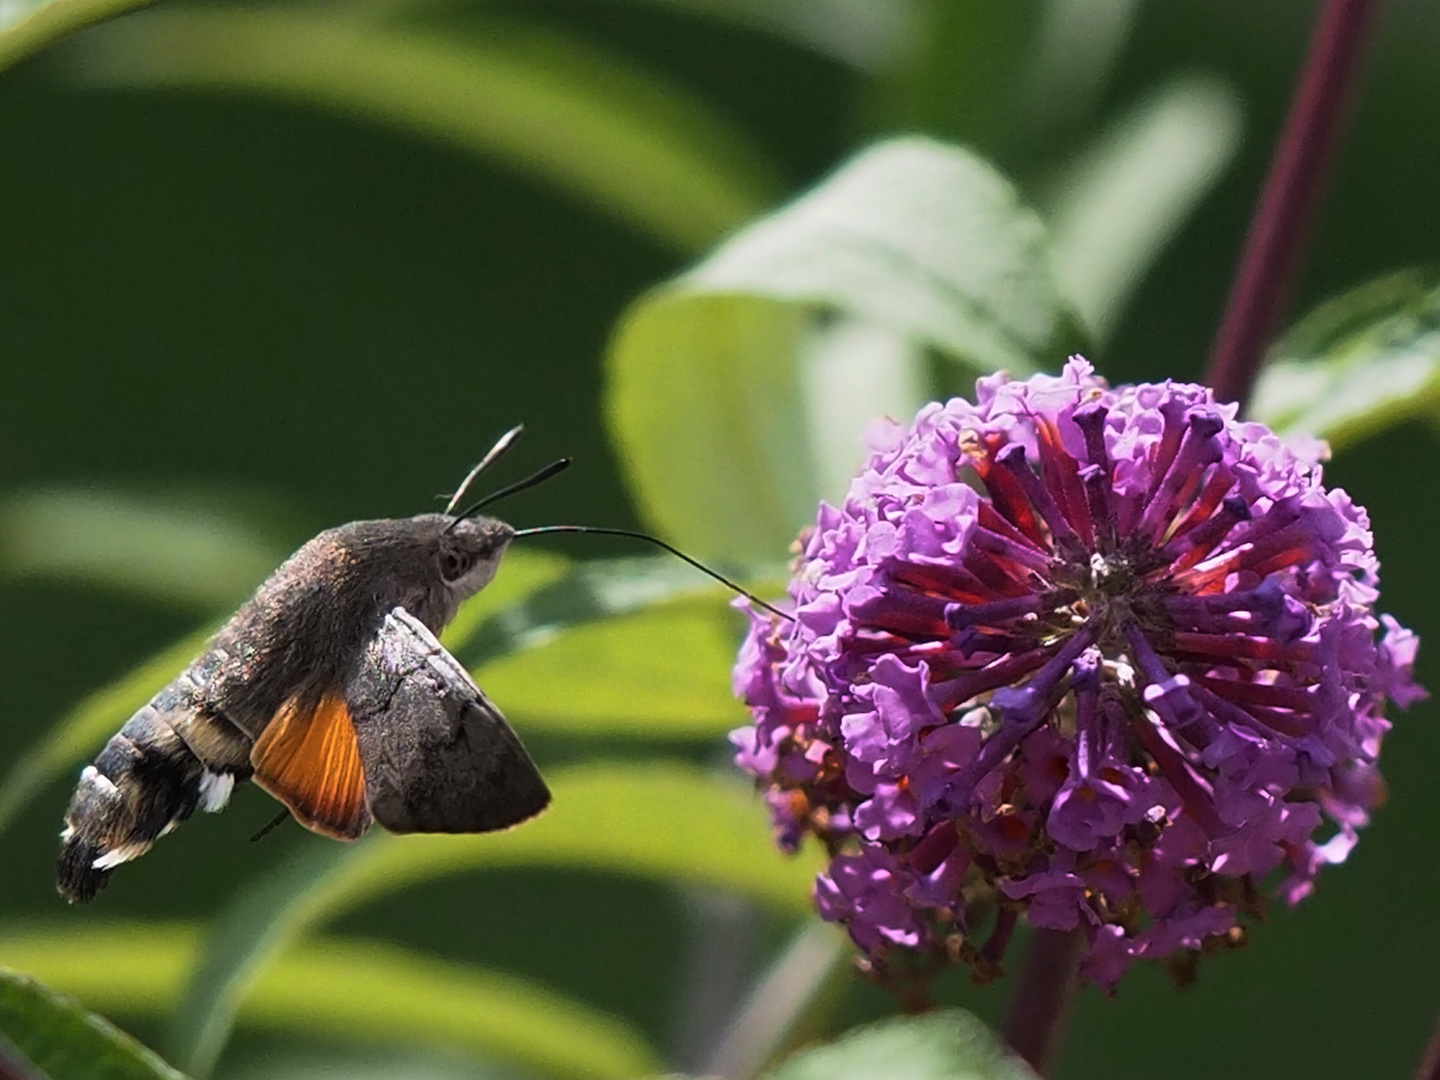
[{"x": 148, "y": 779}]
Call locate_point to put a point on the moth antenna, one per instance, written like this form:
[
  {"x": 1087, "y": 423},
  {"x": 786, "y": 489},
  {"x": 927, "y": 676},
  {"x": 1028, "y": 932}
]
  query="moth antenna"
[
  {"x": 493, "y": 455},
  {"x": 530, "y": 481},
  {"x": 604, "y": 531},
  {"x": 271, "y": 825}
]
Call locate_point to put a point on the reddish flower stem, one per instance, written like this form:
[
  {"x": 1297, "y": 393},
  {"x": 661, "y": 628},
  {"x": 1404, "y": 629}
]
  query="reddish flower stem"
[
  {"x": 1040, "y": 1010},
  {"x": 1280, "y": 229},
  {"x": 14, "y": 1065},
  {"x": 1430, "y": 1063}
]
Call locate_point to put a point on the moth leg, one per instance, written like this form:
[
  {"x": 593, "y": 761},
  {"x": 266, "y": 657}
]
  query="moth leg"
[{"x": 166, "y": 762}]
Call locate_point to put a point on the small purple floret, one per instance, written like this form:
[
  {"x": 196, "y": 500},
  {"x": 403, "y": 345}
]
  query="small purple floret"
[{"x": 1106, "y": 658}]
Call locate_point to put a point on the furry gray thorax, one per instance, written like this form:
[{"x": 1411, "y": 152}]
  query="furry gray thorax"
[{"x": 305, "y": 629}]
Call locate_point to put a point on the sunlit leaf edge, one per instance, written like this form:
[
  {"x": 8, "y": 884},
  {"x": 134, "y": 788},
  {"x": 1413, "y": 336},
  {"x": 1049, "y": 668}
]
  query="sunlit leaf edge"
[
  {"x": 52, "y": 21},
  {"x": 1350, "y": 368},
  {"x": 58, "y": 1035},
  {"x": 947, "y": 1045}
]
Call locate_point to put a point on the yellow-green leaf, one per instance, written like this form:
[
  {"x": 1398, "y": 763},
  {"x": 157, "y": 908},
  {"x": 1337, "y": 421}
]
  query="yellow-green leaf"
[
  {"x": 64, "y": 1041},
  {"x": 663, "y": 671},
  {"x": 1360, "y": 362},
  {"x": 349, "y": 989}
]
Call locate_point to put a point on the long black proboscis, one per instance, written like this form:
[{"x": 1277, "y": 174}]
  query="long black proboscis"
[
  {"x": 605, "y": 531},
  {"x": 510, "y": 489}
]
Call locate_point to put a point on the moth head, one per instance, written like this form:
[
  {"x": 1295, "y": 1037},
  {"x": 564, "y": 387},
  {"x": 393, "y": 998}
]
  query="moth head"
[{"x": 468, "y": 552}]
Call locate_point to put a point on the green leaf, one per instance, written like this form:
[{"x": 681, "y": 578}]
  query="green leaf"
[
  {"x": 949, "y": 1045},
  {"x": 1361, "y": 362},
  {"x": 98, "y": 716},
  {"x": 371, "y": 990},
  {"x": 1122, "y": 200},
  {"x": 588, "y": 592},
  {"x": 711, "y": 377},
  {"x": 521, "y": 574},
  {"x": 864, "y": 34},
  {"x": 27, "y": 26},
  {"x": 350, "y": 989},
  {"x": 661, "y": 672},
  {"x": 704, "y": 403},
  {"x": 662, "y": 821},
  {"x": 155, "y": 547},
  {"x": 66, "y": 1042},
  {"x": 630, "y": 145}
]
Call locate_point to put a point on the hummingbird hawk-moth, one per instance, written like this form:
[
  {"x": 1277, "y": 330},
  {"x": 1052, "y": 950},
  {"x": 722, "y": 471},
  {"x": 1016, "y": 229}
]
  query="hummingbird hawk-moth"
[{"x": 331, "y": 691}]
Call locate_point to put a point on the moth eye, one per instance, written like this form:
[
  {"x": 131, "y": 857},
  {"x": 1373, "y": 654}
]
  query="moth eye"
[{"x": 455, "y": 564}]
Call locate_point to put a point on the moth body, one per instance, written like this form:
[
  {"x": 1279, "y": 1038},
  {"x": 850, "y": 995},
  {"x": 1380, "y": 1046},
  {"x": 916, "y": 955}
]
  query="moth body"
[{"x": 330, "y": 689}]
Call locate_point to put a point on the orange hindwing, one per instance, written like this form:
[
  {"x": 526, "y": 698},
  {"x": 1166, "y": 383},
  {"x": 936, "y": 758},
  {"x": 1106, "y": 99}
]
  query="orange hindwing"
[{"x": 310, "y": 761}]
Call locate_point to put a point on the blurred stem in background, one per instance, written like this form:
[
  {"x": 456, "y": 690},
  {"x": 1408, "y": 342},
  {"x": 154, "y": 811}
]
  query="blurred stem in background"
[
  {"x": 1284, "y": 216},
  {"x": 1040, "y": 1010}
]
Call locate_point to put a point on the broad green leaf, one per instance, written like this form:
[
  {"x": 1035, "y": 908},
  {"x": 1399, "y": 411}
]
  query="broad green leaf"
[
  {"x": 664, "y": 821},
  {"x": 1121, "y": 201},
  {"x": 631, "y": 146},
  {"x": 592, "y": 591},
  {"x": 82, "y": 729},
  {"x": 664, "y": 671},
  {"x": 66, "y": 1042},
  {"x": 27, "y": 26},
  {"x": 705, "y": 404},
  {"x": 1361, "y": 362},
  {"x": 348, "y": 989},
  {"x": 950, "y": 1045},
  {"x": 521, "y": 573},
  {"x": 707, "y": 395},
  {"x": 156, "y": 547}
]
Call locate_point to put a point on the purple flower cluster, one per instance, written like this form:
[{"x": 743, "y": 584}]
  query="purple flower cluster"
[{"x": 1105, "y": 658}]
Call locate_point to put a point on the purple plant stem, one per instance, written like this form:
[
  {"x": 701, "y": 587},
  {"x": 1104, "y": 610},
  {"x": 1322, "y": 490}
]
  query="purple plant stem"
[
  {"x": 1430, "y": 1064},
  {"x": 14, "y": 1065},
  {"x": 1040, "y": 1010},
  {"x": 1280, "y": 230}
]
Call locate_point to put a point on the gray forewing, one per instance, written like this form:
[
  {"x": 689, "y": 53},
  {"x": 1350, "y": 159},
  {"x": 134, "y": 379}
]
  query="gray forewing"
[{"x": 438, "y": 755}]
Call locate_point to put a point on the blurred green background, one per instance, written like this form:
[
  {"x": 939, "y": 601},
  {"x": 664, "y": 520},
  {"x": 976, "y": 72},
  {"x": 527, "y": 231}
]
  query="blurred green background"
[{"x": 240, "y": 298}]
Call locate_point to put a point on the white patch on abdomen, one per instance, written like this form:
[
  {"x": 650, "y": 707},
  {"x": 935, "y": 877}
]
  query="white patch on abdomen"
[
  {"x": 122, "y": 854},
  {"x": 215, "y": 791}
]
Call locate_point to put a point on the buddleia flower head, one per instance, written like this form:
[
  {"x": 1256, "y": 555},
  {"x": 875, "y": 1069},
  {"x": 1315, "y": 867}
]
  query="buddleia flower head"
[{"x": 1106, "y": 659}]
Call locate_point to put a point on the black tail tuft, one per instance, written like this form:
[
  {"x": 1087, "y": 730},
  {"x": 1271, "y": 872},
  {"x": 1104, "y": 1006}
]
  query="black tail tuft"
[
  {"x": 146, "y": 780},
  {"x": 75, "y": 875}
]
